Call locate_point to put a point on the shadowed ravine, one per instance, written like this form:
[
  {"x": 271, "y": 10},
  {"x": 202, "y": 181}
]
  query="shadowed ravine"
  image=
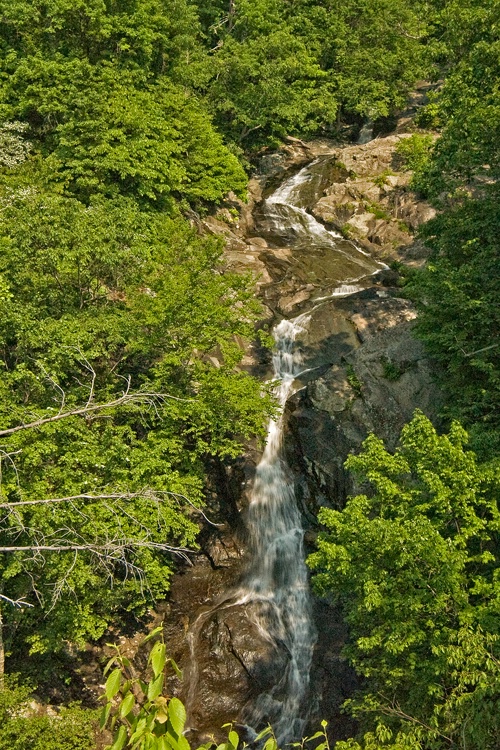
[{"x": 273, "y": 592}]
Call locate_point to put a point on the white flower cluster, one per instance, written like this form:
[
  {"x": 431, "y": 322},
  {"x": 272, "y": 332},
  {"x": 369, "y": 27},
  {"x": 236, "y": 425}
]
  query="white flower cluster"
[{"x": 14, "y": 147}]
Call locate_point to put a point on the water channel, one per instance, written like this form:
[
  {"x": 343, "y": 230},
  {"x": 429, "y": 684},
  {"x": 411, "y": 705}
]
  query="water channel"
[{"x": 274, "y": 591}]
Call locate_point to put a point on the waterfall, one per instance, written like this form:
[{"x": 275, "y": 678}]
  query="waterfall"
[
  {"x": 274, "y": 591},
  {"x": 321, "y": 256},
  {"x": 273, "y": 595},
  {"x": 277, "y": 578},
  {"x": 366, "y": 132}
]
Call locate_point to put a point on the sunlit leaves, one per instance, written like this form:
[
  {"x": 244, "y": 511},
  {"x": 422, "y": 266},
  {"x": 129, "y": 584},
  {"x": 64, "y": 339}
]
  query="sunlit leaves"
[{"x": 407, "y": 564}]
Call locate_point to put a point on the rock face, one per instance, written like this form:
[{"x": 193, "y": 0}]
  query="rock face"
[
  {"x": 374, "y": 204},
  {"x": 371, "y": 376},
  {"x": 363, "y": 372}
]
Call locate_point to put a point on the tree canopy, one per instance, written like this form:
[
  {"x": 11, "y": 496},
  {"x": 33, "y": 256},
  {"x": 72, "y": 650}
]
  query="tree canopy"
[
  {"x": 415, "y": 567},
  {"x": 119, "y": 325}
]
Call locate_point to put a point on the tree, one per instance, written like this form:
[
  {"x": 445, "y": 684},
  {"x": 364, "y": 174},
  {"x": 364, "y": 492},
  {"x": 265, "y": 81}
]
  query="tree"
[
  {"x": 108, "y": 96},
  {"x": 110, "y": 321},
  {"x": 415, "y": 567},
  {"x": 284, "y": 67},
  {"x": 23, "y": 725},
  {"x": 457, "y": 298},
  {"x": 458, "y": 290}
]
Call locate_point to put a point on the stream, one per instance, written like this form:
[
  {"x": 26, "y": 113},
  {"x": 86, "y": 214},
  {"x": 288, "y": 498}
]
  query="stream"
[{"x": 273, "y": 591}]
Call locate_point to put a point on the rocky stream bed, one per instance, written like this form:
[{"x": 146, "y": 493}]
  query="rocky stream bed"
[{"x": 362, "y": 371}]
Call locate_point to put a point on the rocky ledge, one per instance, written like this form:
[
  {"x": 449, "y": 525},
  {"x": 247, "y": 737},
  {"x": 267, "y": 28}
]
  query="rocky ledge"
[
  {"x": 373, "y": 202},
  {"x": 364, "y": 372}
]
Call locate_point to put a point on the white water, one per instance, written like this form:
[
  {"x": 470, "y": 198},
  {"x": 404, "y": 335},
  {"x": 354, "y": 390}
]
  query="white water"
[
  {"x": 274, "y": 590},
  {"x": 277, "y": 578},
  {"x": 321, "y": 255},
  {"x": 366, "y": 132}
]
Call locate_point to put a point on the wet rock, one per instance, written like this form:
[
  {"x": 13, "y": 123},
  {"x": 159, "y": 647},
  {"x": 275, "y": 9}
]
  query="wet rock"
[
  {"x": 363, "y": 371},
  {"x": 231, "y": 663},
  {"x": 378, "y": 374},
  {"x": 361, "y": 225}
]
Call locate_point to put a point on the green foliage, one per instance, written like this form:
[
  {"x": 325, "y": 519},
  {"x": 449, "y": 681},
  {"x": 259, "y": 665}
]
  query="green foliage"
[
  {"x": 294, "y": 67},
  {"x": 106, "y": 94},
  {"x": 118, "y": 323},
  {"x": 108, "y": 146},
  {"x": 391, "y": 370},
  {"x": 415, "y": 566},
  {"x": 23, "y": 726},
  {"x": 100, "y": 302},
  {"x": 142, "y": 717},
  {"x": 467, "y": 152},
  {"x": 139, "y": 713},
  {"x": 415, "y": 153},
  {"x": 354, "y": 380},
  {"x": 155, "y": 37},
  {"x": 458, "y": 295}
]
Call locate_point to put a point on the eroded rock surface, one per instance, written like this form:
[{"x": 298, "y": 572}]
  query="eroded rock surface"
[{"x": 364, "y": 371}]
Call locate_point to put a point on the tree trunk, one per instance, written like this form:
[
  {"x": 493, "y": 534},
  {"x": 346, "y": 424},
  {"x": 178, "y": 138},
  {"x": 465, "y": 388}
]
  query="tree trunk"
[{"x": 2, "y": 651}]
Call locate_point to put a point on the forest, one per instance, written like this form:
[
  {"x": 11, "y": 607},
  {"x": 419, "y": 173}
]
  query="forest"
[{"x": 122, "y": 122}]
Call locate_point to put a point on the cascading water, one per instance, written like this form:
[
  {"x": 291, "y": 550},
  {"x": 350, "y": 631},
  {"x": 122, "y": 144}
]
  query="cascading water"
[
  {"x": 277, "y": 578},
  {"x": 321, "y": 257},
  {"x": 273, "y": 596},
  {"x": 274, "y": 591}
]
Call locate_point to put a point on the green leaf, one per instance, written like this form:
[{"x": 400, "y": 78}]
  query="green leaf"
[
  {"x": 233, "y": 739},
  {"x": 109, "y": 664},
  {"x": 271, "y": 744},
  {"x": 152, "y": 634},
  {"x": 120, "y": 739},
  {"x": 157, "y": 658},
  {"x": 155, "y": 687},
  {"x": 176, "y": 669},
  {"x": 315, "y": 736},
  {"x": 104, "y": 715},
  {"x": 264, "y": 733},
  {"x": 177, "y": 715},
  {"x": 113, "y": 684},
  {"x": 127, "y": 705},
  {"x": 141, "y": 729}
]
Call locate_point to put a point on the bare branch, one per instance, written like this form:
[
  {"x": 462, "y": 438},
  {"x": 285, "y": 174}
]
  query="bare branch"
[
  {"x": 395, "y": 710},
  {"x": 139, "y": 396},
  {"x": 147, "y": 493},
  {"x": 479, "y": 351},
  {"x": 109, "y": 549},
  {"x": 15, "y": 602},
  {"x": 72, "y": 498}
]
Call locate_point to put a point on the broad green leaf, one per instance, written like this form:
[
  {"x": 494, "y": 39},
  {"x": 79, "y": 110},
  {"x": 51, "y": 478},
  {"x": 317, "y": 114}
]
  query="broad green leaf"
[
  {"x": 157, "y": 658},
  {"x": 177, "y": 715},
  {"x": 175, "y": 667},
  {"x": 127, "y": 704},
  {"x": 152, "y": 634},
  {"x": 120, "y": 739},
  {"x": 141, "y": 729},
  {"x": 155, "y": 688},
  {"x": 113, "y": 684},
  {"x": 315, "y": 736},
  {"x": 109, "y": 664},
  {"x": 270, "y": 744},
  {"x": 264, "y": 733},
  {"x": 104, "y": 715}
]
